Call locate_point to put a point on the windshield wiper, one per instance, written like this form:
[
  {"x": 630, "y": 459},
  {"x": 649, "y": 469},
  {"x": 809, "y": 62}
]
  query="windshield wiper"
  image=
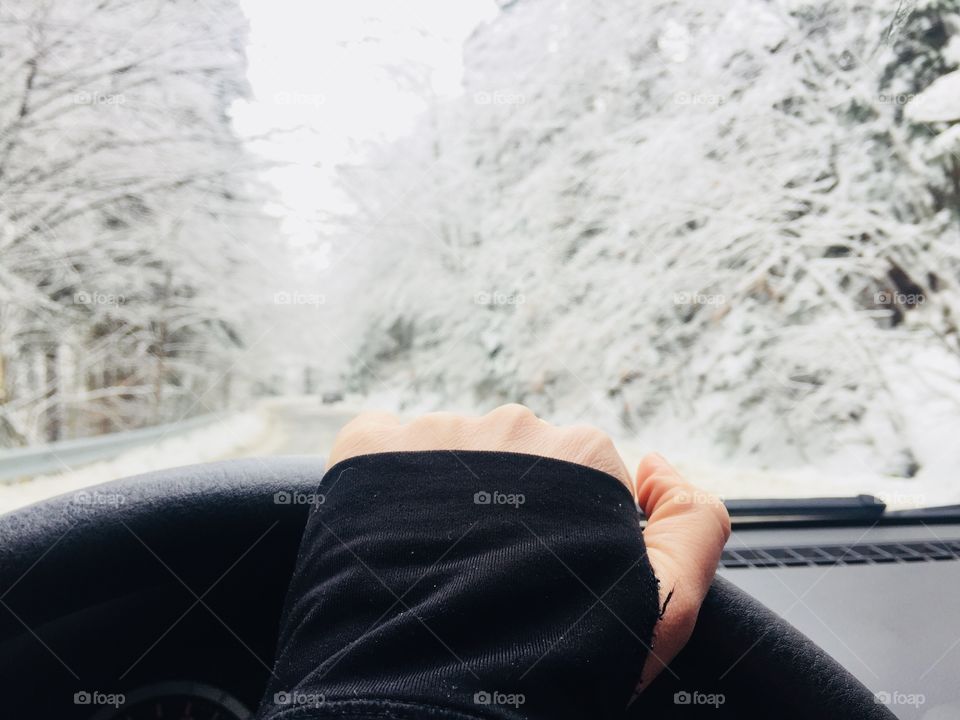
[
  {"x": 770, "y": 512},
  {"x": 859, "y": 507}
]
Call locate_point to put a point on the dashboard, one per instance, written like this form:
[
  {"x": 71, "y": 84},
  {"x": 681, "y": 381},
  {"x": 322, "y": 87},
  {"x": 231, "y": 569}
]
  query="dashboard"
[{"x": 890, "y": 619}]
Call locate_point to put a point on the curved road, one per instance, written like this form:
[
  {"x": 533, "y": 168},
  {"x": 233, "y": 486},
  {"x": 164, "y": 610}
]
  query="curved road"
[{"x": 290, "y": 426}]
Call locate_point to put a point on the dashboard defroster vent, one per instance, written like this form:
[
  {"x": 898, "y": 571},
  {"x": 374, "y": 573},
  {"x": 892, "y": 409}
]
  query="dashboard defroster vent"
[{"x": 856, "y": 554}]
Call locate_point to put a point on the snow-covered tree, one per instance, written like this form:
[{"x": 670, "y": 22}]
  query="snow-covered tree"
[
  {"x": 131, "y": 232},
  {"x": 704, "y": 221}
]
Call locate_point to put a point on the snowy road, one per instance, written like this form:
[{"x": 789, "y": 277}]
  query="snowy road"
[
  {"x": 300, "y": 426},
  {"x": 289, "y": 426}
]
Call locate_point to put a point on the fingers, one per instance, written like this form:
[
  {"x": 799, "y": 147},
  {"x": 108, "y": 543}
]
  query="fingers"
[
  {"x": 685, "y": 534},
  {"x": 586, "y": 445}
]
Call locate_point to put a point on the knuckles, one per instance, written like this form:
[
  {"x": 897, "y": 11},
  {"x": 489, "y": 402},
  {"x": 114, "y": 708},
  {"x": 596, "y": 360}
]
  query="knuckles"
[
  {"x": 512, "y": 413},
  {"x": 512, "y": 426},
  {"x": 588, "y": 441}
]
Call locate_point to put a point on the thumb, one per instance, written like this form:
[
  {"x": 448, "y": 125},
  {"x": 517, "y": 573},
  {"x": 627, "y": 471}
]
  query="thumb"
[{"x": 685, "y": 534}]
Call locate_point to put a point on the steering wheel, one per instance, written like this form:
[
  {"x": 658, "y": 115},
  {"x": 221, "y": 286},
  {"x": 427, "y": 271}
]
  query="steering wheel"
[{"x": 172, "y": 582}]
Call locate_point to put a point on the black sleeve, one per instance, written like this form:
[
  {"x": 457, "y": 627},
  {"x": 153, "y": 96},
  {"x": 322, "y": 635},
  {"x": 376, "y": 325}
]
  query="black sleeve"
[{"x": 465, "y": 585}]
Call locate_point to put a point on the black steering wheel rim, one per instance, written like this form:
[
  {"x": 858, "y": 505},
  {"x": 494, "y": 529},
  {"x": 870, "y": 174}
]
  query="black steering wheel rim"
[{"x": 80, "y": 549}]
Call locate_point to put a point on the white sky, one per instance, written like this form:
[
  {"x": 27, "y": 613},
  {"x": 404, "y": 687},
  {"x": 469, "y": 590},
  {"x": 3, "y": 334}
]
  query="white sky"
[{"x": 324, "y": 68}]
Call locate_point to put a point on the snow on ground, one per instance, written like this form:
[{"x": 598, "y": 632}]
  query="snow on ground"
[{"x": 214, "y": 442}]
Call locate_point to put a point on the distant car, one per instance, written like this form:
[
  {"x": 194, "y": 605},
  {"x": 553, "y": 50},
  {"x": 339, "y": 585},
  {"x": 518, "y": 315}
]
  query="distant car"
[{"x": 329, "y": 398}]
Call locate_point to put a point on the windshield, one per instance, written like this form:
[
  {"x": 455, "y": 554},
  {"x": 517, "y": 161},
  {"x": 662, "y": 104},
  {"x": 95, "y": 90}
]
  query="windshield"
[{"x": 728, "y": 232}]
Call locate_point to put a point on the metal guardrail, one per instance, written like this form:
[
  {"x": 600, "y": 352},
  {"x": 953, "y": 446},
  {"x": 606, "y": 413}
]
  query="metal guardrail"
[{"x": 68, "y": 454}]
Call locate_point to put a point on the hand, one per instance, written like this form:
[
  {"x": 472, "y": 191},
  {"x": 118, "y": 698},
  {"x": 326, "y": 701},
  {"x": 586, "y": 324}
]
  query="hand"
[{"x": 686, "y": 527}]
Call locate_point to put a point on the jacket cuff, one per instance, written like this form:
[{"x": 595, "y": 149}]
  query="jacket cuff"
[{"x": 465, "y": 585}]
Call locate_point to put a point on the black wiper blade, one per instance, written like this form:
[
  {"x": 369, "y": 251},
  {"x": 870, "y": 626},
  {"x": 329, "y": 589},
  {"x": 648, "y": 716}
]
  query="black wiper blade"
[{"x": 860, "y": 507}]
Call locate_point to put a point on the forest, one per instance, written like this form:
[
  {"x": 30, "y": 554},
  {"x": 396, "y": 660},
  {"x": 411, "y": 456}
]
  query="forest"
[
  {"x": 731, "y": 227},
  {"x": 132, "y": 234}
]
